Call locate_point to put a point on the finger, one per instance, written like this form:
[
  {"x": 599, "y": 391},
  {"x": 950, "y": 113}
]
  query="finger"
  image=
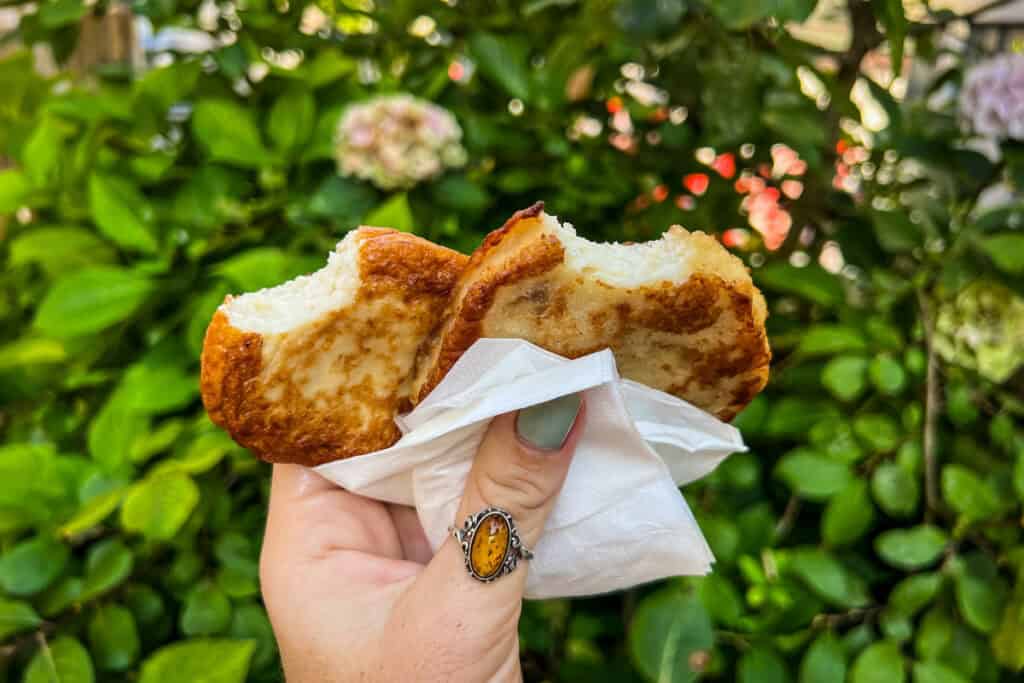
[
  {"x": 415, "y": 545},
  {"x": 522, "y": 462},
  {"x": 519, "y": 467},
  {"x": 311, "y": 520}
]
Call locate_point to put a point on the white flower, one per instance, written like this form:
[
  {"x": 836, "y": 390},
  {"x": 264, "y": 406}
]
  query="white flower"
[
  {"x": 397, "y": 141},
  {"x": 992, "y": 98}
]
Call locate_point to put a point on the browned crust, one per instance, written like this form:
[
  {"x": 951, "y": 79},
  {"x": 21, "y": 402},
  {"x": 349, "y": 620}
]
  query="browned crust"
[
  {"x": 230, "y": 359},
  {"x": 679, "y": 323},
  {"x": 474, "y": 296},
  {"x": 404, "y": 278}
]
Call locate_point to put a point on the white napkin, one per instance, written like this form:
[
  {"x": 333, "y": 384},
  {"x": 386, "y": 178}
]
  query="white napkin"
[{"x": 619, "y": 520}]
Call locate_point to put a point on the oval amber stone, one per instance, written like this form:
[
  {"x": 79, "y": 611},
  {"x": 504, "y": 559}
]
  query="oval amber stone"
[{"x": 490, "y": 545}]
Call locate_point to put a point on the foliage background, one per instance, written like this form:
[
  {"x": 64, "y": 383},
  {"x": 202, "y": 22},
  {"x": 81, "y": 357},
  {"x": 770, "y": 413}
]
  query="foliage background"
[{"x": 874, "y": 531}]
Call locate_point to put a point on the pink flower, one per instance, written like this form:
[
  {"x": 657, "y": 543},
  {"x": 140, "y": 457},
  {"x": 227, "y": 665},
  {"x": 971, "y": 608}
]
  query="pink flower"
[
  {"x": 992, "y": 98},
  {"x": 397, "y": 141}
]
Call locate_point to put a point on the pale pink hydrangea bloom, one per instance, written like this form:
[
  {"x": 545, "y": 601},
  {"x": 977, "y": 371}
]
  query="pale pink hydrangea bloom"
[
  {"x": 397, "y": 141},
  {"x": 992, "y": 98}
]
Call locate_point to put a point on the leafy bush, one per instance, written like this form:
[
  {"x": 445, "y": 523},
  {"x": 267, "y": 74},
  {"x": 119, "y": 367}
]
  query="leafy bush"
[{"x": 872, "y": 533}]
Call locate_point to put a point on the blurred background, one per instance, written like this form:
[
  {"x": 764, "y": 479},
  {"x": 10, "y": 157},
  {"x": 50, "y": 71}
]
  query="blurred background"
[{"x": 864, "y": 158}]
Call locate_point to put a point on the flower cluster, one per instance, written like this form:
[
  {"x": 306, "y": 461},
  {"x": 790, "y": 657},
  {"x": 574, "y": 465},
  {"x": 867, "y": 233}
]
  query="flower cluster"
[
  {"x": 992, "y": 99},
  {"x": 397, "y": 141},
  {"x": 980, "y": 330}
]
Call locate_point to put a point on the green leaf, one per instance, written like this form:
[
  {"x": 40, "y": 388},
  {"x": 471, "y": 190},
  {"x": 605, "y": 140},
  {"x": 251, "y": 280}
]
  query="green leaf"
[
  {"x": 980, "y": 593},
  {"x": 228, "y": 133},
  {"x": 742, "y": 14},
  {"x": 915, "y": 592},
  {"x": 202, "y": 661},
  {"x": 794, "y": 417},
  {"x": 156, "y": 440},
  {"x": 895, "y": 490},
  {"x": 880, "y": 432},
  {"x": 826, "y": 340},
  {"x": 106, "y": 566},
  {"x": 15, "y": 617},
  {"x": 811, "y": 282},
  {"x": 207, "y": 611},
  {"x": 114, "y": 638},
  {"x": 644, "y": 18},
  {"x": 891, "y": 14},
  {"x": 667, "y": 628},
  {"x": 824, "y": 661},
  {"x": 62, "y": 661},
  {"x": 887, "y": 375},
  {"x": 14, "y": 189},
  {"x": 94, "y": 511},
  {"x": 257, "y": 268},
  {"x": 848, "y": 515},
  {"x": 57, "y": 13},
  {"x": 894, "y": 229},
  {"x": 24, "y": 352},
  {"x": 960, "y": 406},
  {"x": 91, "y": 300},
  {"x": 201, "y": 455},
  {"x": 32, "y": 565},
  {"x": 43, "y": 149},
  {"x": 1007, "y": 641},
  {"x": 762, "y": 665},
  {"x": 151, "y": 388},
  {"x": 845, "y": 377},
  {"x": 460, "y": 193},
  {"x": 933, "y": 672},
  {"x": 911, "y": 548},
  {"x": 879, "y": 663},
  {"x": 394, "y": 213},
  {"x": 59, "y": 249},
  {"x": 503, "y": 62},
  {"x": 968, "y": 494},
  {"x": 828, "y": 578},
  {"x": 1006, "y": 250},
  {"x": 342, "y": 200},
  {"x": 291, "y": 119},
  {"x": 721, "y": 599},
  {"x": 160, "y": 505},
  {"x": 251, "y": 622},
  {"x": 122, "y": 213},
  {"x": 811, "y": 475},
  {"x": 61, "y": 596},
  {"x": 329, "y": 65}
]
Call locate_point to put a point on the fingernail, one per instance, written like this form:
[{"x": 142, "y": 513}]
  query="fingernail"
[{"x": 547, "y": 425}]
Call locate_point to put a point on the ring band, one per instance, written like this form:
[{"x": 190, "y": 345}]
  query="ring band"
[{"x": 491, "y": 544}]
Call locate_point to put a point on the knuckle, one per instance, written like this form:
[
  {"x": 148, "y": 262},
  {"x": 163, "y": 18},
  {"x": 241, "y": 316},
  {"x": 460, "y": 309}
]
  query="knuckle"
[{"x": 518, "y": 482}]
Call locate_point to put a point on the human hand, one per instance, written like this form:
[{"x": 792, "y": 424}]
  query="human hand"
[{"x": 354, "y": 592}]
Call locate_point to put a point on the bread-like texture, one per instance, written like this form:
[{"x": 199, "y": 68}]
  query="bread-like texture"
[
  {"x": 681, "y": 314},
  {"x": 317, "y": 369}
]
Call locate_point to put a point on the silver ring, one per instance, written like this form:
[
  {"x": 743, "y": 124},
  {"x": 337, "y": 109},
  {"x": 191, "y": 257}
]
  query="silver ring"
[{"x": 490, "y": 543}]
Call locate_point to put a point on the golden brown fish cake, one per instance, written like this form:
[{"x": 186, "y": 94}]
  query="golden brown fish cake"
[
  {"x": 681, "y": 314},
  {"x": 316, "y": 369}
]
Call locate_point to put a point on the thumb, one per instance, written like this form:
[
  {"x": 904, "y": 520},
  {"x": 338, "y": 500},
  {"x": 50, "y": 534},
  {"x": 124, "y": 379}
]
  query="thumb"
[
  {"x": 519, "y": 467},
  {"x": 522, "y": 463}
]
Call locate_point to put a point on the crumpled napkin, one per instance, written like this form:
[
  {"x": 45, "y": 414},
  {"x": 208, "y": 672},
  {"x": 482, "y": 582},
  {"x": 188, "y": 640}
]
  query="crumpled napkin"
[{"x": 619, "y": 520}]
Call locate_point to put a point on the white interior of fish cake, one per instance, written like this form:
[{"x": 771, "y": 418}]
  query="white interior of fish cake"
[
  {"x": 304, "y": 299},
  {"x": 674, "y": 257}
]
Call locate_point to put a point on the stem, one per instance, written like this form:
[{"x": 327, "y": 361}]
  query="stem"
[
  {"x": 932, "y": 402},
  {"x": 788, "y": 518}
]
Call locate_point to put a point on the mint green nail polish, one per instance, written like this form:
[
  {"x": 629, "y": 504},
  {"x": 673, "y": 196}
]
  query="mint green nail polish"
[{"x": 545, "y": 426}]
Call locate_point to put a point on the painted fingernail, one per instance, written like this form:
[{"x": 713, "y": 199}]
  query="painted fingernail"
[{"x": 546, "y": 426}]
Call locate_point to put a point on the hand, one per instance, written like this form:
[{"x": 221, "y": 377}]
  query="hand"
[{"x": 354, "y": 592}]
